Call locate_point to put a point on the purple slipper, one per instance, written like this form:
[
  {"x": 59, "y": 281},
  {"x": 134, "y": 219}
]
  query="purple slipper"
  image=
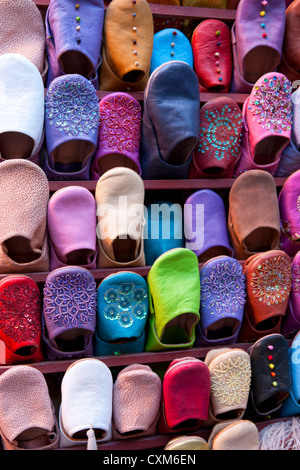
[
  {"x": 291, "y": 321},
  {"x": 257, "y": 39},
  {"x": 119, "y": 134},
  {"x": 289, "y": 209},
  {"x": 223, "y": 296},
  {"x": 74, "y": 38},
  {"x": 72, "y": 228},
  {"x": 205, "y": 225},
  {"x": 69, "y": 313},
  {"x": 71, "y": 128}
]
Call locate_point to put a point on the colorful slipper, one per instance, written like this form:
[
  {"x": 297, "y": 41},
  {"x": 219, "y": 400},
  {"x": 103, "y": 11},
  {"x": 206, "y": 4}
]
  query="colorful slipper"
[
  {"x": 71, "y": 127},
  {"x": 122, "y": 314},
  {"x": 119, "y": 134},
  {"x": 174, "y": 300},
  {"x": 69, "y": 313},
  {"x": 72, "y": 228}
]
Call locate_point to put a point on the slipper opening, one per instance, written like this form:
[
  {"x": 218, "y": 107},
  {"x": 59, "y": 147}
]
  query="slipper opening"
[
  {"x": 15, "y": 145},
  {"x": 74, "y": 62},
  {"x": 259, "y": 61}
]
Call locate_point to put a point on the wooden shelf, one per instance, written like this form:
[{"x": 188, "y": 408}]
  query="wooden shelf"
[{"x": 159, "y": 185}]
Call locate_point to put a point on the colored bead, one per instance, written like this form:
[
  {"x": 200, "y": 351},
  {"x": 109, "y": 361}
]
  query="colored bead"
[
  {"x": 172, "y": 53},
  {"x": 271, "y": 366},
  {"x": 218, "y": 70},
  {"x": 264, "y": 3},
  {"x": 135, "y": 52},
  {"x": 134, "y": 2},
  {"x": 134, "y": 28},
  {"x": 264, "y": 35},
  {"x": 134, "y": 42},
  {"x": 78, "y": 19},
  {"x": 174, "y": 33},
  {"x": 136, "y": 64},
  {"x": 77, "y": 6},
  {"x": 270, "y": 346},
  {"x": 220, "y": 79},
  {"x": 262, "y": 13},
  {"x": 219, "y": 43},
  {"x": 217, "y": 54},
  {"x": 172, "y": 44},
  {"x": 273, "y": 374},
  {"x": 77, "y": 28},
  {"x": 218, "y": 33},
  {"x": 275, "y": 384},
  {"x": 217, "y": 63},
  {"x": 263, "y": 25},
  {"x": 134, "y": 14},
  {"x": 270, "y": 358}
]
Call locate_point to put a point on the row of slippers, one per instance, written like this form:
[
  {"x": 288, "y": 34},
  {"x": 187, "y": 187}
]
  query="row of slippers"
[
  {"x": 112, "y": 228},
  {"x": 230, "y": 387},
  {"x": 73, "y": 136},
  {"x": 175, "y": 307},
  {"x": 116, "y": 47}
]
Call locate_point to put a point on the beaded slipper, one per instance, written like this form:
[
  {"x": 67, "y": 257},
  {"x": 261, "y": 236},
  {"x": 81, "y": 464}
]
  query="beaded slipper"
[
  {"x": 268, "y": 283},
  {"x": 119, "y": 134},
  {"x": 71, "y": 128},
  {"x": 69, "y": 313},
  {"x": 122, "y": 314},
  {"x": 267, "y": 114}
]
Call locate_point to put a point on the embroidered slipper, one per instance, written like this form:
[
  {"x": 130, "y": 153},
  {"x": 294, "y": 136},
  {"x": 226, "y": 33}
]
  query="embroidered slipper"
[
  {"x": 69, "y": 313},
  {"x": 268, "y": 284},
  {"x": 71, "y": 127},
  {"x": 22, "y": 118},
  {"x": 28, "y": 420},
  {"x": 119, "y": 134},
  {"x": 219, "y": 148},
  {"x": 223, "y": 296},
  {"x": 20, "y": 317},
  {"x": 24, "y": 196},
  {"x": 122, "y": 314},
  {"x": 267, "y": 114},
  {"x": 72, "y": 228},
  {"x": 230, "y": 375},
  {"x": 291, "y": 406}
]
